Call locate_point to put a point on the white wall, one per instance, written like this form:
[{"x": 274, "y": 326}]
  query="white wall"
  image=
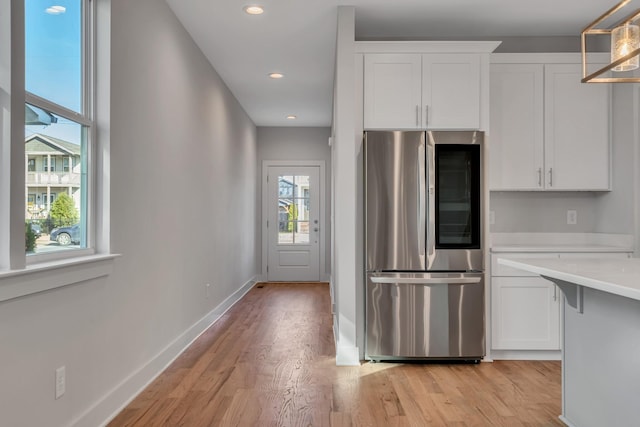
[
  {"x": 347, "y": 270},
  {"x": 298, "y": 143},
  {"x": 183, "y": 204},
  {"x": 615, "y": 211}
]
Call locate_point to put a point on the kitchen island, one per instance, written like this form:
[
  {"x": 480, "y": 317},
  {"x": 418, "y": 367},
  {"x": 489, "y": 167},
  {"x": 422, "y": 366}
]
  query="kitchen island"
[{"x": 601, "y": 337}]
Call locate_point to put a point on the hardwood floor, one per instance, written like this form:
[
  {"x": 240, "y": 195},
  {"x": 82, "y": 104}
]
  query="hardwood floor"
[{"x": 270, "y": 362}]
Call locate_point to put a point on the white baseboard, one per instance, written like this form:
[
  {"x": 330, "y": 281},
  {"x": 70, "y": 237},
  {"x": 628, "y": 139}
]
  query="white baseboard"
[
  {"x": 347, "y": 356},
  {"x": 566, "y": 421},
  {"x": 526, "y": 354},
  {"x": 118, "y": 398}
]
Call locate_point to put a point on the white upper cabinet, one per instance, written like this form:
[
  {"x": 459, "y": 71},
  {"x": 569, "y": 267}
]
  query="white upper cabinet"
[
  {"x": 548, "y": 130},
  {"x": 422, "y": 91},
  {"x": 517, "y": 127},
  {"x": 392, "y": 91},
  {"x": 576, "y": 130},
  {"x": 451, "y": 91}
]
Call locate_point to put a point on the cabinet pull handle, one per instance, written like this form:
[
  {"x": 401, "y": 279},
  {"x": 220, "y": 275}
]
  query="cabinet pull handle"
[
  {"x": 550, "y": 177},
  {"x": 426, "y": 115},
  {"x": 539, "y": 177},
  {"x": 417, "y": 115}
]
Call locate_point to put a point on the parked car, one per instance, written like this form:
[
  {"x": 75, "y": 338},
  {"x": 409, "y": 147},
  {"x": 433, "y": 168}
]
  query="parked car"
[
  {"x": 37, "y": 230},
  {"x": 66, "y": 235}
]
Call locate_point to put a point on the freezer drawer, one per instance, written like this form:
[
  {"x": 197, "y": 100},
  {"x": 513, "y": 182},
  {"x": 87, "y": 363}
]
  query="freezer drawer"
[{"x": 425, "y": 315}]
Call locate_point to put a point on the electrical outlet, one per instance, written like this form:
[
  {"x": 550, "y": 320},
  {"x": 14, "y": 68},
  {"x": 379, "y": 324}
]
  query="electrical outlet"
[
  {"x": 572, "y": 217},
  {"x": 492, "y": 217},
  {"x": 61, "y": 381}
]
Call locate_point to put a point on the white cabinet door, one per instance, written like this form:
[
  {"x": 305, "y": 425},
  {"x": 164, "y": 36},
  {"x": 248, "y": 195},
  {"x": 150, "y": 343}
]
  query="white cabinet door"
[
  {"x": 451, "y": 91},
  {"x": 576, "y": 130},
  {"x": 517, "y": 127},
  {"x": 392, "y": 91},
  {"x": 525, "y": 314}
]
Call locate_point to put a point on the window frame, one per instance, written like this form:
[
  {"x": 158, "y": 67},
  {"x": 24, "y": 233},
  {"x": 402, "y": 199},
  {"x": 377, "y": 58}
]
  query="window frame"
[{"x": 86, "y": 119}]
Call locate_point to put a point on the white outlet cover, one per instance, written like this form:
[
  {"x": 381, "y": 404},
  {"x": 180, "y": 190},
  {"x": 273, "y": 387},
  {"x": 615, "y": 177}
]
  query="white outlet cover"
[{"x": 572, "y": 217}]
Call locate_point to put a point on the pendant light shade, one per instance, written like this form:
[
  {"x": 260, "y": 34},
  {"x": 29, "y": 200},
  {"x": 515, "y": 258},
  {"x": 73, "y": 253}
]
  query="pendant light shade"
[{"x": 624, "y": 40}]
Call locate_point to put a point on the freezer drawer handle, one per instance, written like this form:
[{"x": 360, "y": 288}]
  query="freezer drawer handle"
[{"x": 431, "y": 281}]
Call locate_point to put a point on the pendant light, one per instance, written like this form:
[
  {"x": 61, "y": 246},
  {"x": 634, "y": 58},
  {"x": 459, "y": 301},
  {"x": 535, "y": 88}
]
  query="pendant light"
[{"x": 625, "y": 47}]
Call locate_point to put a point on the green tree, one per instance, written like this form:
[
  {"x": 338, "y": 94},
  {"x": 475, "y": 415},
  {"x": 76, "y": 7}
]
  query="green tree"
[
  {"x": 293, "y": 215},
  {"x": 30, "y": 238},
  {"x": 63, "y": 211}
]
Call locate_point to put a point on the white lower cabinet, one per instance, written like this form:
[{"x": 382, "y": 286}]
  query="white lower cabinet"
[
  {"x": 525, "y": 309},
  {"x": 526, "y": 314}
]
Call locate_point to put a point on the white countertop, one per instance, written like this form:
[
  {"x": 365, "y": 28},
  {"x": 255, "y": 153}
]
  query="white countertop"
[
  {"x": 616, "y": 276},
  {"x": 561, "y": 242}
]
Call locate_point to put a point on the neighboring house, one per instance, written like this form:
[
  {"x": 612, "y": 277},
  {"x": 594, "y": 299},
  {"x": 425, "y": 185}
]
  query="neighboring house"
[{"x": 52, "y": 167}]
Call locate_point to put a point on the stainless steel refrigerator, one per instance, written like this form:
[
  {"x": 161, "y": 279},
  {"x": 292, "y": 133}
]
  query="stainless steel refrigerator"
[{"x": 425, "y": 280}]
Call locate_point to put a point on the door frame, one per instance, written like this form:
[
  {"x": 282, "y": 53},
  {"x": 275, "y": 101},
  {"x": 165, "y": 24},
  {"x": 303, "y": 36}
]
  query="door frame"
[{"x": 266, "y": 164}]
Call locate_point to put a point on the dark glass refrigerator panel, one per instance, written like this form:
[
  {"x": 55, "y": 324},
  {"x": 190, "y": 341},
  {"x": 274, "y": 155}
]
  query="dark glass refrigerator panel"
[{"x": 457, "y": 181}]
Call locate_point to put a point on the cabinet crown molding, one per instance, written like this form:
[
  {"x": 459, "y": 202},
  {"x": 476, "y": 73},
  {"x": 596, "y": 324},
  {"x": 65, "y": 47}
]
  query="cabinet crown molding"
[
  {"x": 547, "y": 58},
  {"x": 426, "y": 46}
]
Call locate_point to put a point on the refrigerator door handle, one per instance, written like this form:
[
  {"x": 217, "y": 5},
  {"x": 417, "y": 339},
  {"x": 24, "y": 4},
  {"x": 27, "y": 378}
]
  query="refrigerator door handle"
[
  {"x": 431, "y": 192},
  {"x": 422, "y": 201},
  {"x": 426, "y": 281}
]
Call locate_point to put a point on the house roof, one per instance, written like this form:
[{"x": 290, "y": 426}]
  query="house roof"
[{"x": 38, "y": 143}]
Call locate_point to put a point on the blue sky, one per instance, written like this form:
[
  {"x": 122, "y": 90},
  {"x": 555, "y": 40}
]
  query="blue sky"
[{"x": 53, "y": 59}]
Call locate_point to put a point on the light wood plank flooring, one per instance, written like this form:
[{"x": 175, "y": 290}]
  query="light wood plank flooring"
[{"x": 270, "y": 361}]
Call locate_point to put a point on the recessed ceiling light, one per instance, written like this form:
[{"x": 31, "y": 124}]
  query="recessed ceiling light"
[
  {"x": 56, "y": 10},
  {"x": 276, "y": 75},
  {"x": 291, "y": 117},
  {"x": 254, "y": 10}
]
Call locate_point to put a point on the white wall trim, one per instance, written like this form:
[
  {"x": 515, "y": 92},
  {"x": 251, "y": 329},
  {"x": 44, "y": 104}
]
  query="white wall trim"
[
  {"x": 526, "y": 355},
  {"x": 548, "y": 58},
  {"x": 266, "y": 164},
  {"x": 347, "y": 356},
  {"x": 413, "y": 46},
  {"x": 118, "y": 398}
]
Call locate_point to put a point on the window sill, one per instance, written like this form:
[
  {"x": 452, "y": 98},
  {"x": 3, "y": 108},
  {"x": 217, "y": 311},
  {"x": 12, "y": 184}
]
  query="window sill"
[{"x": 54, "y": 274}]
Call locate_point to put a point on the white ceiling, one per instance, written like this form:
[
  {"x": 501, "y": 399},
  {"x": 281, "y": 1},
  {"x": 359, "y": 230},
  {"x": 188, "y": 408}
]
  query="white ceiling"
[{"x": 297, "y": 38}]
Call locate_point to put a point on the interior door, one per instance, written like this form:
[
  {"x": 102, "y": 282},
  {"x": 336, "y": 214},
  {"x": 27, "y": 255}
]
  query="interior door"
[{"x": 293, "y": 224}]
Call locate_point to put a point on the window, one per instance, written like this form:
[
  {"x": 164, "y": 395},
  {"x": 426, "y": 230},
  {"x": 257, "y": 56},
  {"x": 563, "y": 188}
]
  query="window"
[
  {"x": 63, "y": 56},
  {"x": 293, "y": 209},
  {"x": 59, "y": 124},
  {"x": 48, "y": 168}
]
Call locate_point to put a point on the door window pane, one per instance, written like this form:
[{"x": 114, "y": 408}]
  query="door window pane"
[
  {"x": 53, "y": 51},
  {"x": 293, "y": 209}
]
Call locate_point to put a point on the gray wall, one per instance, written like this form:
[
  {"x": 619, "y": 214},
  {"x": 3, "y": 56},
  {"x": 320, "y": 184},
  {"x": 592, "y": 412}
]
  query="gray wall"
[
  {"x": 183, "y": 200},
  {"x": 298, "y": 143},
  {"x": 615, "y": 211}
]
